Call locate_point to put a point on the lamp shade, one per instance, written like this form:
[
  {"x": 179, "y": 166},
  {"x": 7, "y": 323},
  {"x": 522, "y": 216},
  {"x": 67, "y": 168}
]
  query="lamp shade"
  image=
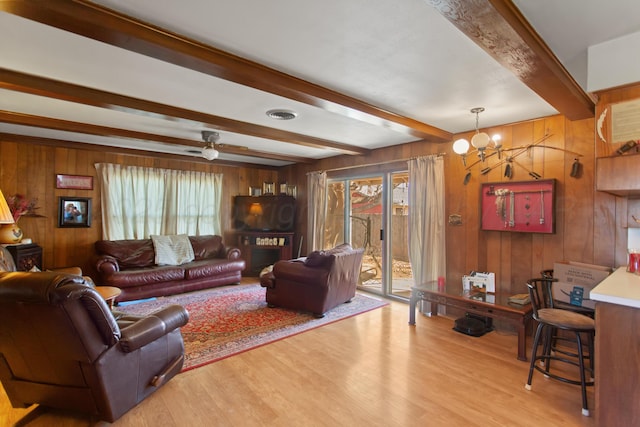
[
  {"x": 480, "y": 140},
  {"x": 210, "y": 153},
  {"x": 255, "y": 209},
  {"x": 461, "y": 146},
  {"x": 6, "y": 217}
]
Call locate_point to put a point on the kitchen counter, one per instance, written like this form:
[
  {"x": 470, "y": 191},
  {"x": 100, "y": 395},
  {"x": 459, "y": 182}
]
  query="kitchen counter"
[{"x": 619, "y": 288}]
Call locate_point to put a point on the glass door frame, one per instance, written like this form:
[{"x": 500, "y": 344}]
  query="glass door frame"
[{"x": 386, "y": 288}]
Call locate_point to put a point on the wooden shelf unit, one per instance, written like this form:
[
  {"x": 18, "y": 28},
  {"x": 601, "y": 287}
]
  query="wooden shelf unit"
[{"x": 263, "y": 248}]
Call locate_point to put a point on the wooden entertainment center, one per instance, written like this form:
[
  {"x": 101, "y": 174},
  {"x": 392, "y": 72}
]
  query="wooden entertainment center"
[
  {"x": 262, "y": 248},
  {"x": 264, "y": 229}
]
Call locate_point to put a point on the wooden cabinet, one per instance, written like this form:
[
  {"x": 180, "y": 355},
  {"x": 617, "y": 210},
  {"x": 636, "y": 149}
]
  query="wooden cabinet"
[
  {"x": 619, "y": 175},
  {"x": 262, "y": 248},
  {"x": 26, "y": 256},
  {"x": 617, "y": 365}
]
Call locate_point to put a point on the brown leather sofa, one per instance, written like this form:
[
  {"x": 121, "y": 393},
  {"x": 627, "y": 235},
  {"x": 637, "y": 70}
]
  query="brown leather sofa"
[
  {"x": 316, "y": 283},
  {"x": 130, "y": 266},
  {"x": 61, "y": 347}
]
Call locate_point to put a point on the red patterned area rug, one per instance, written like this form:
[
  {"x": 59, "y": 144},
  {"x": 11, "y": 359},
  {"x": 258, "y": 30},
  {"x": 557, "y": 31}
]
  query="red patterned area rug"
[{"x": 230, "y": 320}]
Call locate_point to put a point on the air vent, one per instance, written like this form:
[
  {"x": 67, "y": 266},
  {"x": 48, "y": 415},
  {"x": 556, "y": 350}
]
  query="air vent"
[
  {"x": 282, "y": 114},
  {"x": 193, "y": 151}
]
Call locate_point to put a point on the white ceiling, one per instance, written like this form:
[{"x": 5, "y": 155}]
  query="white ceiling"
[{"x": 400, "y": 56}]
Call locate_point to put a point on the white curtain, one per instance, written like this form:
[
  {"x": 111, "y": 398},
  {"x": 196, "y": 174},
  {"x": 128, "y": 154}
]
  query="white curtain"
[
  {"x": 427, "y": 218},
  {"x": 316, "y": 209},
  {"x": 137, "y": 202}
]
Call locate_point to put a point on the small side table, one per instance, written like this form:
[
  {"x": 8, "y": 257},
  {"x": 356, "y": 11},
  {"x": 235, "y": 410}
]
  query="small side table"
[
  {"x": 26, "y": 256},
  {"x": 109, "y": 294}
]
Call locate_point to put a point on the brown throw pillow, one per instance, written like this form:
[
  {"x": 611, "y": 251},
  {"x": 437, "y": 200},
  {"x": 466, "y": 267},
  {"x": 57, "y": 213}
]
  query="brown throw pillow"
[{"x": 316, "y": 259}]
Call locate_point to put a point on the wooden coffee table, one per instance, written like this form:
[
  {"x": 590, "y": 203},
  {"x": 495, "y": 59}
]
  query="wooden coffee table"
[
  {"x": 495, "y": 306},
  {"x": 109, "y": 294}
]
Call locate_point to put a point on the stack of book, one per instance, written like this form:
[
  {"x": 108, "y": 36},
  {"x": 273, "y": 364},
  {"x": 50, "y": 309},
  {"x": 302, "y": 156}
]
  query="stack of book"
[{"x": 520, "y": 299}]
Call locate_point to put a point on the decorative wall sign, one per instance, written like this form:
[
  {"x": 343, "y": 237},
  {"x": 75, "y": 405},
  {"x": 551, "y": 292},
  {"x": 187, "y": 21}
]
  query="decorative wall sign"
[
  {"x": 76, "y": 182},
  {"x": 527, "y": 206},
  {"x": 74, "y": 212}
]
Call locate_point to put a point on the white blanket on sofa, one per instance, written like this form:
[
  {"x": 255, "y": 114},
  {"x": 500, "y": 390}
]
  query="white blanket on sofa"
[{"x": 173, "y": 249}]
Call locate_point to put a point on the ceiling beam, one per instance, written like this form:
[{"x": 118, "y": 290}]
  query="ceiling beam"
[
  {"x": 42, "y": 86},
  {"x": 108, "y": 26},
  {"x": 499, "y": 28},
  {"x": 107, "y": 131}
]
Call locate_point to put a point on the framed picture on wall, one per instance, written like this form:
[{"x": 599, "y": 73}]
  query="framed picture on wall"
[
  {"x": 74, "y": 212},
  {"x": 526, "y": 207}
]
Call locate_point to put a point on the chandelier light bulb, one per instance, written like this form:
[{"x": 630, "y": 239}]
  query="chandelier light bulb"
[
  {"x": 497, "y": 140},
  {"x": 461, "y": 146}
]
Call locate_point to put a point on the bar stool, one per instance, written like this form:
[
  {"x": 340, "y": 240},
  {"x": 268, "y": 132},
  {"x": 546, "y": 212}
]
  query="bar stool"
[{"x": 551, "y": 319}]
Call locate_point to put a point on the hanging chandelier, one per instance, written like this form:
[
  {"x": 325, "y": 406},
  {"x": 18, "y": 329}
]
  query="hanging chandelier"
[{"x": 480, "y": 141}]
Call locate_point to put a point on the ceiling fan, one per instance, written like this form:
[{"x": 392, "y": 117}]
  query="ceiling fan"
[{"x": 210, "y": 152}]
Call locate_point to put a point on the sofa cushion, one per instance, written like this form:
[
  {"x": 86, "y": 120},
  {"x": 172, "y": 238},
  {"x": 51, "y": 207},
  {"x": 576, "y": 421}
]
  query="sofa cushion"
[
  {"x": 129, "y": 253},
  {"x": 172, "y": 249},
  {"x": 211, "y": 268},
  {"x": 207, "y": 247},
  {"x": 144, "y": 276}
]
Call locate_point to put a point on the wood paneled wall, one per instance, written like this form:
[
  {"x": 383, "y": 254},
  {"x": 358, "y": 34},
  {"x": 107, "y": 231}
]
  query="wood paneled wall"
[
  {"x": 590, "y": 225},
  {"x": 30, "y": 169},
  {"x": 514, "y": 257}
]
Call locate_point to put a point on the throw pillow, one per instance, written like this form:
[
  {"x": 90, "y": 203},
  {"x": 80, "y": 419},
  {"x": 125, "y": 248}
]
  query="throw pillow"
[
  {"x": 316, "y": 259},
  {"x": 172, "y": 250}
]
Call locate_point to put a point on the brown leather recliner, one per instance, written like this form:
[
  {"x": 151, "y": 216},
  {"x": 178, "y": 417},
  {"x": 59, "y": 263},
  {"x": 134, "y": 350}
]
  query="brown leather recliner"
[
  {"x": 317, "y": 283},
  {"x": 61, "y": 347}
]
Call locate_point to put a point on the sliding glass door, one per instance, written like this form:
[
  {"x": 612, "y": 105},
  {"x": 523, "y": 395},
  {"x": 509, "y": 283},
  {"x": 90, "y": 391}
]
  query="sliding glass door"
[{"x": 371, "y": 212}]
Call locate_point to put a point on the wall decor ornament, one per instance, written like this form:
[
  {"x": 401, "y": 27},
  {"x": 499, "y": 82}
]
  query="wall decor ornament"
[
  {"x": 527, "y": 206},
  {"x": 75, "y": 182}
]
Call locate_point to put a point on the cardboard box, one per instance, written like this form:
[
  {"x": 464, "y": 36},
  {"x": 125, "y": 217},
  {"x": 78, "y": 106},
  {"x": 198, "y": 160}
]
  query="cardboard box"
[{"x": 575, "y": 281}]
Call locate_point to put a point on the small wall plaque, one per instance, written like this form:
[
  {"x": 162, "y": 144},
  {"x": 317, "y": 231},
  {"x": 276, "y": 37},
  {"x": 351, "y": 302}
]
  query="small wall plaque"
[{"x": 76, "y": 182}]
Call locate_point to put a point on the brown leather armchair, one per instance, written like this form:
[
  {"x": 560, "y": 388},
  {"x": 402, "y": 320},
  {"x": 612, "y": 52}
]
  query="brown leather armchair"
[
  {"x": 61, "y": 347},
  {"x": 316, "y": 283}
]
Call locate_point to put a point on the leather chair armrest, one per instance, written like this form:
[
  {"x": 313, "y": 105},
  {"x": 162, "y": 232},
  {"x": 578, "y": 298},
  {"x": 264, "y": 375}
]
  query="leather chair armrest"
[
  {"x": 106, "y": 264},
  {"x": 152, "y": 327},
  {"x": 268, "y": 280},
  {"x": 232, "y": 253}
]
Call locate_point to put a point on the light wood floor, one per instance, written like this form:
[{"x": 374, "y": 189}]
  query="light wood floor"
[{"x": 370, "y": 370}]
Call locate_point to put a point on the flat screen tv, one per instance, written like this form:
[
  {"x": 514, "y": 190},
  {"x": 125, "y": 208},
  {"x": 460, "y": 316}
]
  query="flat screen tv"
[{"x": 264, "y": 213}]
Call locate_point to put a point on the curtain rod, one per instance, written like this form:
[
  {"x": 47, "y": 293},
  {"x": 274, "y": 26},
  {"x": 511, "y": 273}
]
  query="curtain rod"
[{"x": 376, "y": 164}]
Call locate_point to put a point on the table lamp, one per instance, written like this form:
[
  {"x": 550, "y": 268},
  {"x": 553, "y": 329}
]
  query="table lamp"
[
  {"x": 256, "y": 210},
  {"x": 6, "y": 217},
  {"x": 9, "y": 232}
]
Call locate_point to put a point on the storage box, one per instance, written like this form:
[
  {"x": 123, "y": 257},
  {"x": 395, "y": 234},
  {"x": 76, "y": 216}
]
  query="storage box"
[{"x": 575, "y": 281}]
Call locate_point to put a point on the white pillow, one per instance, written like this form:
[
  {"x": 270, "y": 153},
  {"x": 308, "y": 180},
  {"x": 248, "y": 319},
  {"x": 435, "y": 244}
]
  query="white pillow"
[{"x": 172, "y": 250}]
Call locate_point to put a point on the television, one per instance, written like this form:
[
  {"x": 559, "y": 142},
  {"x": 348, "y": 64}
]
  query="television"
[{"x": 264, "y": 213}]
